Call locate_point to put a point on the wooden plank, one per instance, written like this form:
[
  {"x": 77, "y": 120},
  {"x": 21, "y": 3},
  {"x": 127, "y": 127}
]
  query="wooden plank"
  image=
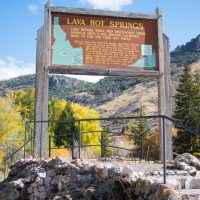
[
  {"x": 161, "y": 81},
  {"x": 95, "y": 12},
  {"x": 168, "y": 111},
  {"x": 44, "y": 129},
  {"x": 38, "y": 92},
  {"x": 84, "y": 70}
]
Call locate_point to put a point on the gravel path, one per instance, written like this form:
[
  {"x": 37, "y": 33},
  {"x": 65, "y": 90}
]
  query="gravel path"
[{"x": 138, "y": 166}]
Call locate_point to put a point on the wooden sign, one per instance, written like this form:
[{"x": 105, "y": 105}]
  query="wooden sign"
[
  {"x": 95, "y": 42},
  {"x": 106, "y": 42}
]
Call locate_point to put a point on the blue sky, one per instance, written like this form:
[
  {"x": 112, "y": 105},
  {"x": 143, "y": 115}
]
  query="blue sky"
[{"x": 20, "y": 20}]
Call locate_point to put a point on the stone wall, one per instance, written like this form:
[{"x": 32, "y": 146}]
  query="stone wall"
[{"x": 59, "y": 179}]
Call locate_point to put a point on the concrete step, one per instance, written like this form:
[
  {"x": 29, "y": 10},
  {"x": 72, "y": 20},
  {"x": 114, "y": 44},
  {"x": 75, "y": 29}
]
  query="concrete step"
[{"x": 189, "y": 194}]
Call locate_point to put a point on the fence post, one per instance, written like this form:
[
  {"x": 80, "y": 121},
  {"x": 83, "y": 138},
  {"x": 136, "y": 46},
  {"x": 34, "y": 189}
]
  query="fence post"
[
  {"x": 5, "y": 170},
  {"x": 164, "y": 149},
  {"x": 141, "y": 147},
  {"x": 73, "y": 145},
  {"x": 25, "y": 140},
  {"x": 79, "y": 135},
  {"x": 102, "y": 144},
  {"x": 50, "y": 145},
  {"x": 31, "y": 142}
]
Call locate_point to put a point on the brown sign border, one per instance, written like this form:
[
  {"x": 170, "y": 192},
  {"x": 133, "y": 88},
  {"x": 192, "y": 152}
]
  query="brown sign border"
[{"x": 95, "y": 69}]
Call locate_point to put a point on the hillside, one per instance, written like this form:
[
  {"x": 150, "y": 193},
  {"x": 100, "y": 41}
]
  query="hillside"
[
  {"x": 185, "y": 55},
  {"x": 113, "y": 96}
]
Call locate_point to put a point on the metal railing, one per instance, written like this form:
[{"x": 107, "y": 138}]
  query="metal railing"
[
  {"x": 29, "y": 139},
  {"x": 22, "y": 151}
]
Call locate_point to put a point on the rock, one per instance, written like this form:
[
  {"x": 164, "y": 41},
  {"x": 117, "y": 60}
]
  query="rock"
[
  {"x": 78, "y": 179},
  {"x": 39, "y": 181},
  {"x": 51, "y": 173},
  {"x": 186, "y": 159},
  {"x": 166, "y": 192},
  {"x": 126, "y": 171},
  {"x": 114, "y": 172},
  {"x": 174, "y": 183},
  {"x": 42, "y": 173},
  {"x": 65, "y": 179},
  {"x": 42, "y": 195},
  {"x": 55, "y": 181},
  {"x": 101, "y": 171},
  {"x": 41, "y": 188},
  {"x": 89, "y": 193},
  {"x": 47, "y": 180},
  {"x": 192, "y": 183},
  {"x": 18, "y": 184},
  {"x": 29, "y": 189}
]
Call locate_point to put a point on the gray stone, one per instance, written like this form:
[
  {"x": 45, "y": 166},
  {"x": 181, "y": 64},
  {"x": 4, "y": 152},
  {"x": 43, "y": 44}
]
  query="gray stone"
[
  {"x": 186, "y": 159},
  {"x": 192, "y": 183},
  {"x": 41, "y": 188},
  {"x": 55, "y": 181},
  {"x": 42, "y": 173},
  {"x": 42, "y": 195},
  {"x": 51, "y": 173},
  {"x": 47, "y": 180},
  {"x": 89, "y": 193},
  {"x": 101, "y": 171},
  {"x": 30, "y": 189},
  {"x": 65, "y": 179},
  {"x": 17, "y": 184},
  {"x": 126, "y": 171},
  {"x": 39, "y": 181},
  {"x": 60, "y": 185},
  {"x": 174, "y": 183}
]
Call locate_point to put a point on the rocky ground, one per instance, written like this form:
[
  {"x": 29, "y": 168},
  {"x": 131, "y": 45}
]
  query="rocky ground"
[{"x": 106, "y": 178}]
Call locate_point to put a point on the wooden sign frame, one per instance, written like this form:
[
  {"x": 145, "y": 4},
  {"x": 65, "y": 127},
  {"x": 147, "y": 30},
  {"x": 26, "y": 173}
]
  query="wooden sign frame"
[{"x": 43, "y": 68}]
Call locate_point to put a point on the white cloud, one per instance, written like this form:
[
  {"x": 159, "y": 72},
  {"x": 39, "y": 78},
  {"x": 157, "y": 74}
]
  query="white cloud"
[
  {"x": 12, "y": 67},
  {"x": 108, "y": 4},
  {"x": 92, "y": 79},
  {"x": 33, "y": 8}
]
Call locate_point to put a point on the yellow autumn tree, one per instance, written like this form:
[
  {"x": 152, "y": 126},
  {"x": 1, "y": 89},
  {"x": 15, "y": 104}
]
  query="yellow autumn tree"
[
  {"x": 91, "y": 130},
  {"x": 11, "y": 128},
  {"x": 62, "y": 132},
  {"x": 23, "y": 101}
]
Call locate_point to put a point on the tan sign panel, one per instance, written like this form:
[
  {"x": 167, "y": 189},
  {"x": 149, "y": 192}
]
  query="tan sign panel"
[{"x": 104, "y": 42}]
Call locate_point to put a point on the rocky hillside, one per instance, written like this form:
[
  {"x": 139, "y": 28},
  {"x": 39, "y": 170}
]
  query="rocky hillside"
[{"x": 185, "y": 55}]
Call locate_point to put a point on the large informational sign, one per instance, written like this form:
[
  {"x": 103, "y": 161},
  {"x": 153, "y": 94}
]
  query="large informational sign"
[
  {"x": 106, "y": 42},
  {"x": 103, "y": 43}
]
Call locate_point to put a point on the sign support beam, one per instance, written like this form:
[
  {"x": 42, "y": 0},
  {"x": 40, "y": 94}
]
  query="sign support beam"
[
  {"x": 41, "y": 102},
  {"x": 164, "y": 103}
]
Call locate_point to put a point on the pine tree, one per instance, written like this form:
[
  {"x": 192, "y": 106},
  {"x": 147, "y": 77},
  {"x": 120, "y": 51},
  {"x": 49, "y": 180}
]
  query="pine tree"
[
  {"x": 196, "y": 112},
  {"x": 184, "y": 111},
  {"x": 63, "y": 132},
  {"x": 139, "y": 129},
  {"x": 105, "y": 151}
]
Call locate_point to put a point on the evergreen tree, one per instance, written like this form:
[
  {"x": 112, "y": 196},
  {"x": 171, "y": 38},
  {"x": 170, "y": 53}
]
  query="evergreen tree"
[
  {"x": 196, "y": 112},
  {"x": 139, "y": 129},
  {"x": 105, "y": 151},
  {"x": 184, "y": 111},
  {"x": 63, "y": 131},
  {"x": 196, "y": 101}
]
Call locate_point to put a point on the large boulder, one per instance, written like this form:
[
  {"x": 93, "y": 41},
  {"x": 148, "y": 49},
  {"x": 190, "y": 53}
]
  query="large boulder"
[{"x": 188, "y": 163}]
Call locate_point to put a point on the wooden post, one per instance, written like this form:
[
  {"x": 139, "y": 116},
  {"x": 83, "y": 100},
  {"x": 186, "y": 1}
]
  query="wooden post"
[
  {"x": 41, "y": 102},
  {"x": 168, "y": 112},
  {"x": 44, "y": 127},
  {"x": 39, "y": 92},
  {"x": 164, "y": 103}
]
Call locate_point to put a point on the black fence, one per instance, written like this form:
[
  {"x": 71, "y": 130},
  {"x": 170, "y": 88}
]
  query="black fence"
[{"x": 108, "y": 139}]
